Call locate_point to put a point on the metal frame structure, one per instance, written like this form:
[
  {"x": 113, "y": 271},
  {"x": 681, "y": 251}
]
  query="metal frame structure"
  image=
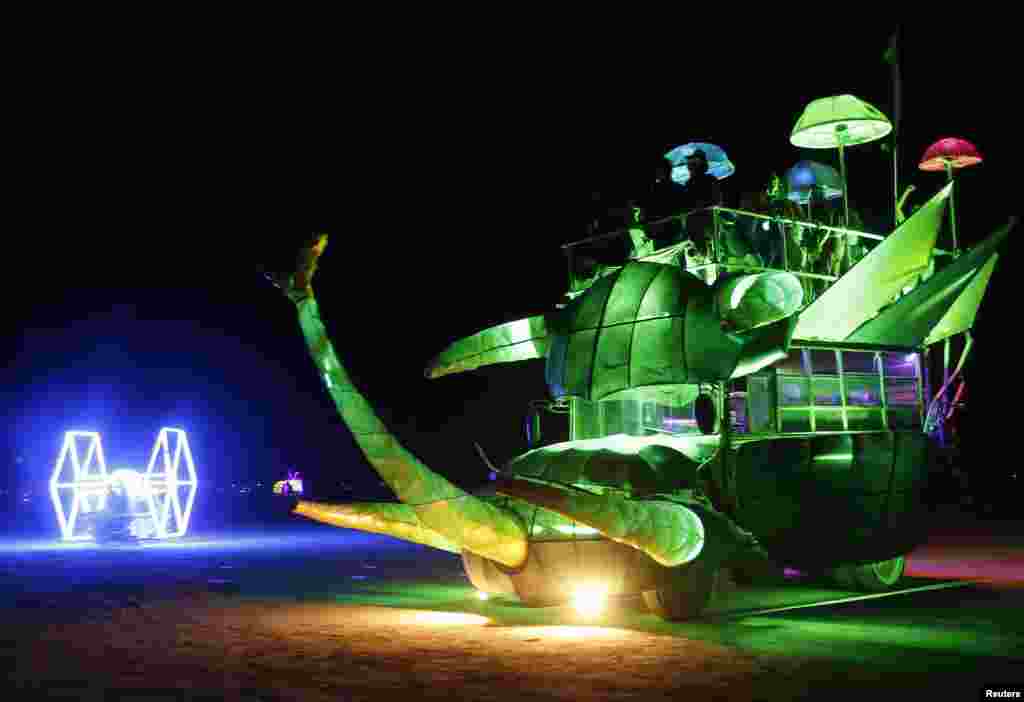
[
  {"x": 716, "y": 264},
  {"x": 162, "y": 482}
]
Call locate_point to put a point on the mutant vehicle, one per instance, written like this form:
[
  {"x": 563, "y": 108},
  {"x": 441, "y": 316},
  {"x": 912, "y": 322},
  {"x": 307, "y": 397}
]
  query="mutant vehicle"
[{"x": 724, "y": 416}]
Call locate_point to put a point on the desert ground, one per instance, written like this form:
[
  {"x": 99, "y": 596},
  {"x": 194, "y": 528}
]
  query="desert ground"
[{"x": 307, "y": 612}]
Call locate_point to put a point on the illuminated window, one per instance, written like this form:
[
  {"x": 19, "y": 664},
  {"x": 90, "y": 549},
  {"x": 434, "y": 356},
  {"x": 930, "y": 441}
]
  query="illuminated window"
[
  {"x": 739, "y": 419},
  {"x": 901, "y": 365},
  {"x": 823, "y": 362},
  {"x": 760, "y": 404},
  {"x": 752, "y": 404},
  {"x": 863, "y": 390},
  {"x": 902, "y": 389},
  {"x": 794, "y": 392},
  {"x": 812, "y": 394},
  {"x": 860, "y": 362},
  {"x": 632, "y": 417},
  {"x": 826, "y": 391},
  {"x": 903, "y": 400}
]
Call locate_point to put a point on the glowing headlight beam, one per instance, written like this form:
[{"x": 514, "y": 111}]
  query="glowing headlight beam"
[{"x": 589, "y": 600}]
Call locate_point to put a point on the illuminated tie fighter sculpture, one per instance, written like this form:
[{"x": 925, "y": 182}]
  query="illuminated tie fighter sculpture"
[{"x": 162, "y": 497}]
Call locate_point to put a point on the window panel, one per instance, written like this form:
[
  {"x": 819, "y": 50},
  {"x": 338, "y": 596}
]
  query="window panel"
[
  {"x": 794, "y": 391},
  {"x": 586, "y": 424},
  {"x": 676, "y": 419},
  {"x": 611, "y": 413},
  {"x": 901, "y": 365},
  {"x": 796, "y": 396},
  {"x": 827, "y": 391},
  {"x": 863, "y": 390},
  {"x": 901, "y": 396},
  {"x": 824, "y": 363},
  {"x": 860, "y": 362},
  {"x": 760, "y": 403},
  {"x": 631, "y": 417},
  {"x": 739, "y": 421},
  {"x": 900, "y": 392}
]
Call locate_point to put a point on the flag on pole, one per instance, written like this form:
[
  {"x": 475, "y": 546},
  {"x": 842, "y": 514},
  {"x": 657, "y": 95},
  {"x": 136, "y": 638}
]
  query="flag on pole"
[{"x": 892, "y": 57}]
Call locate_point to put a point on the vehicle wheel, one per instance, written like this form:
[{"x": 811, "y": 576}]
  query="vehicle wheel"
[
  {"x": 871, "y": 577},
  {"x": 763, "y": 575},
  {"x": 687, "y": 596}
]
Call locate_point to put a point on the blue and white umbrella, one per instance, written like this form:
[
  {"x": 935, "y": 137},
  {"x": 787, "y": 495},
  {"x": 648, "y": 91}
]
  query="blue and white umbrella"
[
  {"x": 719, "y": 164},
  {"x": 805, "y": 175}
]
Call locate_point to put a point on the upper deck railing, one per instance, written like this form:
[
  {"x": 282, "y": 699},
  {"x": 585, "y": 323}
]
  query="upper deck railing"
[{"x": 734, "y": 241}]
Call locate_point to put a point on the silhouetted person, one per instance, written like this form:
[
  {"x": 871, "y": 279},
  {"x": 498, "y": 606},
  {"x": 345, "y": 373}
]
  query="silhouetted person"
[
  {"x": 834, "y": 253},
  {"x": 797, "y": 236},
  {"x": 702, "y": 191},
  {"x": 665, "y": 198},
  {"x": 761, "y": 237}
]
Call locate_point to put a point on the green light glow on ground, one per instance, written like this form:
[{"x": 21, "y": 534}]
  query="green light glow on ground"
[{"x": 852, "y": 632}]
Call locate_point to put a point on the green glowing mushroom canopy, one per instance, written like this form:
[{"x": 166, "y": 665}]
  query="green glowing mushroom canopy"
[{"x": 824, "y": 119}]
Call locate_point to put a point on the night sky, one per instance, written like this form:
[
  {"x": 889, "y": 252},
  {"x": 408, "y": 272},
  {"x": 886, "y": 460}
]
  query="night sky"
[{"x": 448, "y": 182}]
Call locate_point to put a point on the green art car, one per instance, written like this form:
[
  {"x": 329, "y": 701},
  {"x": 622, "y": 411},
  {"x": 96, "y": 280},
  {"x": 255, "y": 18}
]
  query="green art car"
[{"x": 722, "y": 416}]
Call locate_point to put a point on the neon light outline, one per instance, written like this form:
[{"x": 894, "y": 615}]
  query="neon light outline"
[
  {"x": 166, "y": 482},
  {"x": 91, "y": 479},
  {"x": 85, "y": 483}
]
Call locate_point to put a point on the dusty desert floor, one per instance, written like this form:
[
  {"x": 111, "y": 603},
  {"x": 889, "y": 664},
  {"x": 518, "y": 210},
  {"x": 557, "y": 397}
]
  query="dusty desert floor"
[{"x": 315, "y": 613}]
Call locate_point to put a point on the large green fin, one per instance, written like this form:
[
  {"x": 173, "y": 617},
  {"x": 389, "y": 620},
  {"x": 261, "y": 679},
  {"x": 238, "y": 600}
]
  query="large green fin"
[
  {"x": 521, "y": 340},
  {"x": 875, "y": 281},
  {"x": 944, "y": 305}
]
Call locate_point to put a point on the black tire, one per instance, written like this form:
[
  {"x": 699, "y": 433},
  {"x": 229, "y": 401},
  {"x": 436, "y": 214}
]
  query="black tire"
[
  {"x": 741, "y": 576},
  {"x": 690, "y": 592},
  {"x": 765, "y": 575},
  {"x": 871, "y": 577}
]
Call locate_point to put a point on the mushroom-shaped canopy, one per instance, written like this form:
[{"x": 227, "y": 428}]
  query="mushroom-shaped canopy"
[
  {"x": 719, "y": 164},
  {"x": 825, "y": 120},
  {"x": 802, "y": 178},
  {"x": 958, "y": 153}
]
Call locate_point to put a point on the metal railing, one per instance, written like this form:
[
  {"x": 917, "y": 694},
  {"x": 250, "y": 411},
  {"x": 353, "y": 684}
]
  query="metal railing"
[{"x": 718, "y": 260}]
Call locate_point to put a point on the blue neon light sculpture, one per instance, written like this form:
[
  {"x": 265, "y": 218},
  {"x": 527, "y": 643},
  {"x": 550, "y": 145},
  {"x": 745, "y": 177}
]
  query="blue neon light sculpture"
[{"x": 167, "y": 488}]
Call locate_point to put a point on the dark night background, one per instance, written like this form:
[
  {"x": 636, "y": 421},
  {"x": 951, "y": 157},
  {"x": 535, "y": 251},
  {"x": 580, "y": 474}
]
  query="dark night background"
[{"x": 448, "y": 178}]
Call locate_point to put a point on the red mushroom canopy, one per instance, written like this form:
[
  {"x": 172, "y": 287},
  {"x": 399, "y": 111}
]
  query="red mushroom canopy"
[{"x": 959, "y": 153}]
